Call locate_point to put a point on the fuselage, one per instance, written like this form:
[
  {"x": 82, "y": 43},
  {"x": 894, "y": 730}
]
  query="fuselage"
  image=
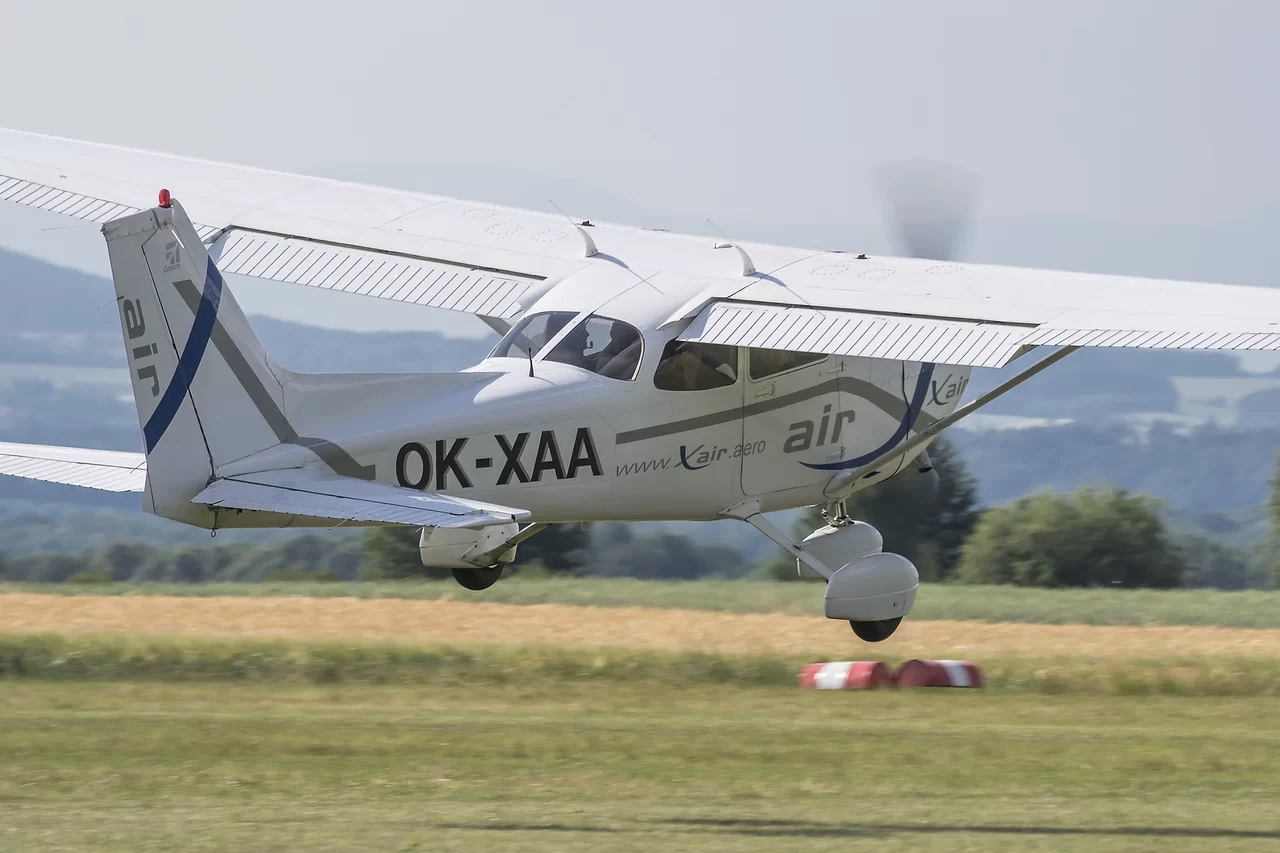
[{"x": 570, "y": 444}]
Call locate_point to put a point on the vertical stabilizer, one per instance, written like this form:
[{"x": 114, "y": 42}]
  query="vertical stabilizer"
[{"x": 205, "y": 389}]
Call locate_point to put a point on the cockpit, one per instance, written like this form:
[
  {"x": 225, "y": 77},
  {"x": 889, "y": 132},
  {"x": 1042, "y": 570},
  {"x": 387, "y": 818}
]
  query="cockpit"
[
  {"x": 614, "y": 348},
  {"x": 604, "y": 346}
]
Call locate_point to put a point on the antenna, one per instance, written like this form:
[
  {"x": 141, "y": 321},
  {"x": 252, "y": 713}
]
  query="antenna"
[
  {"x": 589, "y": 244},
  {"x": 748, "y": 266},
  {"x": 592, "y": 250},
  {"x": 529, "y": 351}
]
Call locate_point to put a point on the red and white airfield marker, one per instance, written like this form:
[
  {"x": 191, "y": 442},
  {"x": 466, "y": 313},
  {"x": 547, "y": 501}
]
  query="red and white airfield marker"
[
  {"x": 857, "y": 675},
  {"x": 939, "y": 673},
  {"x": 846, "y": 675}
]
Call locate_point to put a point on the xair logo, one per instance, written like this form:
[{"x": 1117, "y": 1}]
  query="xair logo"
[
  {"x": 172, "y": 256},
  {"x": 135, "y": 328}
]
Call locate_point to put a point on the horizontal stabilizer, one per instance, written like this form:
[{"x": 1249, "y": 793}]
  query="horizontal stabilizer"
[
  {"x": 109, "y": 470},
  {"x": 301, "y": 491}
]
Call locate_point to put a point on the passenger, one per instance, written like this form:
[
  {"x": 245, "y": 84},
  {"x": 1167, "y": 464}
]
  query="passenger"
[{"x": 691, "y": 367}]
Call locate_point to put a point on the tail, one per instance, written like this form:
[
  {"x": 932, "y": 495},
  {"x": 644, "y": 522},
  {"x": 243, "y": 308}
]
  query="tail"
[{"x": 205, "y": 390}]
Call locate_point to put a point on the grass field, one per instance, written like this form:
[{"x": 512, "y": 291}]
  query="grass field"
[
  {"x": 1252, "y": 609},
  {"x": 411, "y": 718},
  {"x": 560, "y": 765},
  {"x": 469, "y": 623}
]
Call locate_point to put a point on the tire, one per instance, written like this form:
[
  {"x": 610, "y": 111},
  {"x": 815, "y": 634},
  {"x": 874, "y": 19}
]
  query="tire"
[
  {"x": 477, "y": 579},
  {"x": 877, "y": 631}
]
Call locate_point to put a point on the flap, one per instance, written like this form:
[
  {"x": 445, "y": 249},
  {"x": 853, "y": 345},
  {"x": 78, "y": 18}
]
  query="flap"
[{"x": 856, "y": 334}]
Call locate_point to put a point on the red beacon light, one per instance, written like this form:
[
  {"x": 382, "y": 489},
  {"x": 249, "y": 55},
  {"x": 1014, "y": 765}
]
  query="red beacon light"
[{"x": 166, "y": 200}]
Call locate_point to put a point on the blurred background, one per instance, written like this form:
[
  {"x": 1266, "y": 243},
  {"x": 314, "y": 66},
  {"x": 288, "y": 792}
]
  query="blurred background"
[{"x": 1127, "y": 137}]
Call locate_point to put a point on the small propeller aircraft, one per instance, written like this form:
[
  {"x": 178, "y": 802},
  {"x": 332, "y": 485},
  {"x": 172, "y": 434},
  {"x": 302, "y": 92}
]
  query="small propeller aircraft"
[{"x": 641, "y": 375}]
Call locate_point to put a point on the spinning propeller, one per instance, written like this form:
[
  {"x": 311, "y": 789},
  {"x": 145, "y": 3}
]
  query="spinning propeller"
[{"x": 931, "y": 205}]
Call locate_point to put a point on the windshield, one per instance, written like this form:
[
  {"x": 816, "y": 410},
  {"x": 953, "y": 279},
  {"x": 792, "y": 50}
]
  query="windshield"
[
  {"x": 531, "y": 334},
  {"x": 609, "y": 348}
]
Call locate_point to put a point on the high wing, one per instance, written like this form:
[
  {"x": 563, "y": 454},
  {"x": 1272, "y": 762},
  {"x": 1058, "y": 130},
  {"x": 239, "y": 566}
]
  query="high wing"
[
  {"x": 493, "y": 261},
  {"x": 411, "y": 247},
  {"x": 981, "y": 316},
  {"x": 294, "y": 491}
]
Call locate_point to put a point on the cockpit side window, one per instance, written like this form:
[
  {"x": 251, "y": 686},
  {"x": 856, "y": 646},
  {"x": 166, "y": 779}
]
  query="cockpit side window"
[
  {"x": 531, "y": 334},
  {"x": 609, "y": 348},
  {"x": 769, "y": 362},
  {"x": 688, "y": 366}
]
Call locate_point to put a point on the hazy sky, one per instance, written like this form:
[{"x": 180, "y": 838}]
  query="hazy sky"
[{"x": 752, "y": 114}]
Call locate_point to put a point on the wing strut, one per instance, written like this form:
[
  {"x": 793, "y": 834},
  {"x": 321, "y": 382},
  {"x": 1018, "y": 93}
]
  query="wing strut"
[{"x": 841, "y": 484}]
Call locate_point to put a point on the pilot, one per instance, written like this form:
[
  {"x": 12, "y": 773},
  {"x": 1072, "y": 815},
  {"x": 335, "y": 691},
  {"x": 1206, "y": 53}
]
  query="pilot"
[
  {"x": 619, "y": 357},
  {"x": 572, "y": 349}
]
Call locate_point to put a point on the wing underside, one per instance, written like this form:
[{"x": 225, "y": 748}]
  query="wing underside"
[
  {"x": 107, "y": 470},
  {"x": 971, "y": 342}
]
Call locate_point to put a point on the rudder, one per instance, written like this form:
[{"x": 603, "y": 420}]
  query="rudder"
[{"x": 204, "y": 388}]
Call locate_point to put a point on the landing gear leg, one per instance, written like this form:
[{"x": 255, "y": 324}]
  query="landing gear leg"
[
  {"x": 477, "y": 579},
  {"x": 836, "y": 515}
]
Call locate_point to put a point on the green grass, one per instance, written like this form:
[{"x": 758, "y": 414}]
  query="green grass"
[
  {"x": 562, "y": 765},
  {"x": 46, "y": 657},
  {"x": 936, "y": 601}
]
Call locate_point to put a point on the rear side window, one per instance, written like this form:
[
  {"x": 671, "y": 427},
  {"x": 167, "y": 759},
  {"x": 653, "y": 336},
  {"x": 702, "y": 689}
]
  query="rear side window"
[
  {"x": 687, "y": 366},
  {"x": 769, "y": 362},
  {"x": 531, "y": 334}
]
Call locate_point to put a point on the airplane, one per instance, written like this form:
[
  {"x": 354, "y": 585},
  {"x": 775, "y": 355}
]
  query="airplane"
[{"x": 640, "y": 374}]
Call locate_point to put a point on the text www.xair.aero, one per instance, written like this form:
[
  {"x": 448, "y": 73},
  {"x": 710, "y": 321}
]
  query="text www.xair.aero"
[{"x": 691, "y": 458}]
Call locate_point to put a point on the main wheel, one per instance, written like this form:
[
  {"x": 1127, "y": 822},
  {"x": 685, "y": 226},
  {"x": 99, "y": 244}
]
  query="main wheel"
[
  {"x": 483, "y": 578},
  {"x": 876, "y": 631}
]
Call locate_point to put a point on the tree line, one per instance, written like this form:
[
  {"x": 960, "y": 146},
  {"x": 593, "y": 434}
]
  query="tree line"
[{"x": 1094, "y": 536}]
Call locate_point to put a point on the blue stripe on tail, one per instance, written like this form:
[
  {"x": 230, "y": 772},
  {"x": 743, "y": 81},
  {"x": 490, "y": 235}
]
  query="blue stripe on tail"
[{"x": 189, "y": 362}]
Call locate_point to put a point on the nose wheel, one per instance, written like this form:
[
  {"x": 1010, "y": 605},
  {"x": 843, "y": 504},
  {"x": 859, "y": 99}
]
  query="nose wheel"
[
  {"x": 876, "y": 631},
  {"x": 478, "y": 579}
]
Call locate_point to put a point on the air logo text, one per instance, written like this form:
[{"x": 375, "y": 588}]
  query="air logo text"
[
  {"x": 804, "y": 435},
  {"x": 135, "y": 328}
]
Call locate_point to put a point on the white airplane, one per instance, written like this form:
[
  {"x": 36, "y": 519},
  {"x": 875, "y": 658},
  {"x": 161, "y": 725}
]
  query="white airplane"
[{"x": 641, "y": 375}]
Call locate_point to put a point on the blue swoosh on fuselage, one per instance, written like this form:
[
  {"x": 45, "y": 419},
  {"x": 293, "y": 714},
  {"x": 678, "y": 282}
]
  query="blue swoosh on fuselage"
[{"x": 904, "y": 428}]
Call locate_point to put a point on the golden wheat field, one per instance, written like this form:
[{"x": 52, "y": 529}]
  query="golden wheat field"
[{"x": 458, "y": 622}]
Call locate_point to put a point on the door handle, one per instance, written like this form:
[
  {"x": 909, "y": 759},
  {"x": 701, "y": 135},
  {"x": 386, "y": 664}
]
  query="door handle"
[
  {"x": 765, "y": 390},
  {"x": 838, "y": 367}
]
